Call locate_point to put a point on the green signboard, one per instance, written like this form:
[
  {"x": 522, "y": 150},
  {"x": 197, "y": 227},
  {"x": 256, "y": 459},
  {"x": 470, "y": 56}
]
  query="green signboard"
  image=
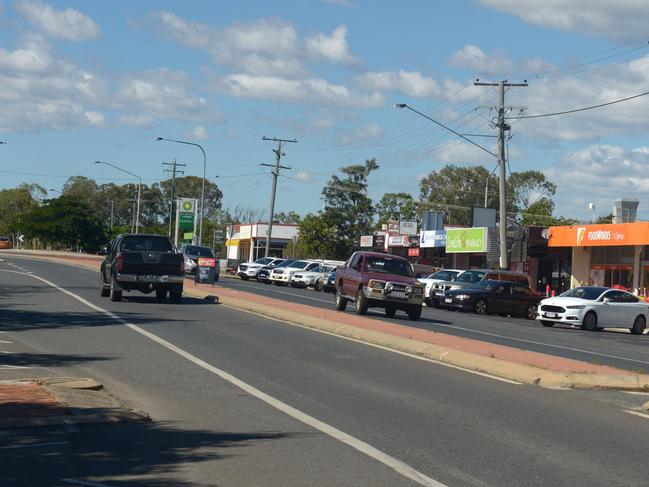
[
  {"x": 186, "y": 219},
  {"x": 466, "y": 240},
  {"x": 188, "y": 236}
]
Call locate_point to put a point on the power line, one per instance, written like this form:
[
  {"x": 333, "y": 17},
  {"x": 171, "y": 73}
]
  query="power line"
[{"x": 580, "y": 109}]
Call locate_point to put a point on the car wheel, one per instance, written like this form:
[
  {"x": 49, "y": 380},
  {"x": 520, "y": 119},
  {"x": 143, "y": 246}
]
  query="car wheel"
[
  {"x": 590, "y": 322},
  {"x": 216, "y": 278},
  {"x": 245, "y": 278},
  {"x": 548, "y": 324},
  {"x": 175, "y": 296},
  {"x": 390, "y": 311},
  {"x": 115, "y": 294},
  {"x": 104, "y": 291},
  {"x": 531, "y": 312},
  {"x": 317, "y": 286},
  {"x": 414, "y": 313},
  {"x": 428, "y": 302},
  {"x": 160, "y": 294},
  {"x": 639, "y": 324},
  {"x": 341, "y": 302},
  {"x": 480, "y": 307},
  {"x": 361, "y": 303}
]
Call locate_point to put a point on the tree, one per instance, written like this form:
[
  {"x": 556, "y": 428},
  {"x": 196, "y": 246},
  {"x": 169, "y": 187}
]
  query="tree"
[
  {"x": 455, "y": 189},
  {"x": 347, "y": 207},
  {"x": 396, "y": 206},
  {"x": 190, "y": 187},
  {"x": 538, "y": 213},
  {"x": 317, "y": 237},
  {"x": 66, "y": 221},
  {"x": 290, "y": 218},
  {"x": 531, "y": 188},
  {"x": 14, "y": 203}
]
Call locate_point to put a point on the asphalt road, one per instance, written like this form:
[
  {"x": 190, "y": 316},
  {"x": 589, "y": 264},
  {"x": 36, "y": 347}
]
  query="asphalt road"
[
  {"x": 451, "y": 426},
  {"x": 614, "y": 347}
]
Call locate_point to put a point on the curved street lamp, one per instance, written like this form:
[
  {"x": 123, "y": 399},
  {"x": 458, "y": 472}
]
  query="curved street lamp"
[
  {"x": 139, "y": 192},
  {"x": 200, "y": 228}
]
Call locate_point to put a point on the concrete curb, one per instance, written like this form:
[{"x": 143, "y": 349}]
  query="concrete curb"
[{"x": 523, "y": 373}]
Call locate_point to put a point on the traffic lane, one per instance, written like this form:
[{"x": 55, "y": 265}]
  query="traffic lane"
[
  {"x": 183, "y": 399},
  {"x": 457, "y": 427},
  {"x": 616, "y": 348}
]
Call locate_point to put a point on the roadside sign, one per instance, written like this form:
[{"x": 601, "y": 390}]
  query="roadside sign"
[
  {"x": 459, "y": 240},
  {"x": 188, "y": 235},
  {"x": 407, "y": 228},
  {"x": 367, "y": 240},
  {"x": 186, "y": 219},
  {"x": 20, "y": 238},
  {"x": 219, "y": 236}
]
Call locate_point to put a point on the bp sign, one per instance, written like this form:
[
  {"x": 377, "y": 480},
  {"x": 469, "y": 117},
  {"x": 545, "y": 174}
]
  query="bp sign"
[{"x": 460, "y": 240}]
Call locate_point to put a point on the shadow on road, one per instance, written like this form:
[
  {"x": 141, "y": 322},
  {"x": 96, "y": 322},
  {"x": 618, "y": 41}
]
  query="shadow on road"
[{"x": 140, "y": 454}]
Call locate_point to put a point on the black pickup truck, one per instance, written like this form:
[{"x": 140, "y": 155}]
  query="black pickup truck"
[{"x": 144, "y": 263}]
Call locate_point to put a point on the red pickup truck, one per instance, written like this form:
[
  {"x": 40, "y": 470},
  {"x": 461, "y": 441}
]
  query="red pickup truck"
[{"x": 374, "y": 280}]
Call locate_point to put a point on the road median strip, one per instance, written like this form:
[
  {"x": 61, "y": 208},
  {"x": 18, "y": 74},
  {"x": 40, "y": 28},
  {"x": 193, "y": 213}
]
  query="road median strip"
[{"x": 401, "y": 338}]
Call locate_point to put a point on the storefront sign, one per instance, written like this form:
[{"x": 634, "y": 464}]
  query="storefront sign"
[
  {"x": 407, "y": 228},
  {"x": 460, "y": 240},
  {"x": 379, "y": 242},
  {"x": 367, "y": 240},
  {"x": 599, "y": 235},
  {"x": 413, "y": 252},
  {"x": 393, "y": 227},
  {"x": 400, "y": 241},
  {"x": 432, "y": 238}
]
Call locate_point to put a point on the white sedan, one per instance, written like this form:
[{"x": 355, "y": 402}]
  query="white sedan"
[
  {"x": 311, "y": 278},
  {"x": 594, "y": 308}
]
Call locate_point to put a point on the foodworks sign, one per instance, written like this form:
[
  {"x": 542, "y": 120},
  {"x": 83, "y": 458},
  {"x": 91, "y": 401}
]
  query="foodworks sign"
[
  {"x": 460, "y": 240},
  {"x": 432, "y": 238}
]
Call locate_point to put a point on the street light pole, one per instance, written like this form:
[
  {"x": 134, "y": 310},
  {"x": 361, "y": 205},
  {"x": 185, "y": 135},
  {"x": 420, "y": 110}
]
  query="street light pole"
[
  {"x": 202, "y": 213},
  {"x": 139, "y": 192}
]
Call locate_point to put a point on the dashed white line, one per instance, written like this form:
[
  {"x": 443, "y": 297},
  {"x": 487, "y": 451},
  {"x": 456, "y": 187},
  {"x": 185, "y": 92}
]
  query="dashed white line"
[
  {"x": 359, "y": 445},
  {"x": 636, "y": 413},
  {"x": 283, "y": 292}
]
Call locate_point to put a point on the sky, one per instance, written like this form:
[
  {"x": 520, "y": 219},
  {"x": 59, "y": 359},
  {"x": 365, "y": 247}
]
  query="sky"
[{"x": 86, "y": 81}]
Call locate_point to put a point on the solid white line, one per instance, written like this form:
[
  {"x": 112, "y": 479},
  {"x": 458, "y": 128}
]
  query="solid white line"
[
  {"x": 540, "y": 343},
  {"x": 425, "y": 359},
  {"x": 636, "y": 413},
  {"x": 5, "y": 341},
  {"x": 365, "y": 448},
  {"x": 84, "y": 482},
  {"x": 282, "y": 292},
  {"x": 11, "y": 367},
  {"x": 33, "y": 445}
]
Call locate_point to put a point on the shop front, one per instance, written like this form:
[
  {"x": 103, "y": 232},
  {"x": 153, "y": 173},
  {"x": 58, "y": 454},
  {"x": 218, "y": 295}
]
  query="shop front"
[{"x": 613, "y": 255}]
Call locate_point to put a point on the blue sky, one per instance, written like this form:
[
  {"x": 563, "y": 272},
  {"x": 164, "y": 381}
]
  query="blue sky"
[{"x": 81, "y": 81}]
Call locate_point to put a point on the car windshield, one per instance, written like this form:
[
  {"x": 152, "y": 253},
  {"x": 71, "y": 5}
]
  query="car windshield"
[
  {"x": 470, "y": 276},
  {"x": 145, "y": 243},
  {"x": 386, "y": 265},
  {"x": 198, "y": 251},
  {"x": 590, "y": 293},
  {"x": 263, "y": 261},
  {"x": 286, "y": 263},
  {"x": 299, "y": 264},
  {"x": 443, "y": 275}
]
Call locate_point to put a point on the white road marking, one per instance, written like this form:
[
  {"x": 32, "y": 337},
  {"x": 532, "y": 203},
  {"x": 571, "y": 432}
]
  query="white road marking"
[
  {"x": 522, "y": 340},
  {"x": 83, "y": 482},
  {"x": 359, "y": 445},
  {"x": 636, "y": 393},
  {"x": 11, "y": 367},
  {"x": 425, "y": 359},
  {"x": 33, "y": 445},
  {"x": 5, "y": 341},
  {"x": 636, "y": 413}
]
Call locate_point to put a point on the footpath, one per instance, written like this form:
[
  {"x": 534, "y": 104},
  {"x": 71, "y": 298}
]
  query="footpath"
[{"x": 509, "y": 363}]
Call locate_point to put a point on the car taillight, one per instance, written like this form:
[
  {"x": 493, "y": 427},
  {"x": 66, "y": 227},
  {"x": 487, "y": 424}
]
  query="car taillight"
[{"x": 120, "y": 262}]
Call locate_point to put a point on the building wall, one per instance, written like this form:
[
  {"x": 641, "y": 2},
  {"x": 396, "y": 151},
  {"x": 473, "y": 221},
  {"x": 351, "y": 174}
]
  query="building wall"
[{"x": 580, "y": 266}]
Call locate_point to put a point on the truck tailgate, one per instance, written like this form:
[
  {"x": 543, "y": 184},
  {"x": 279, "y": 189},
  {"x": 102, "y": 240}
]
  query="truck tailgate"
[{"x": 152, "y": 263}]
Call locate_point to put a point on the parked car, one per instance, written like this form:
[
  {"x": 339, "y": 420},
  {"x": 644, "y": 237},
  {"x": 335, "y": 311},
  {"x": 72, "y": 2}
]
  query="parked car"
[
  {"x": 142, "y": 262},
  {"x": 249, "y": 270},
  {"x": 263, "y": 275},
  {"x": 282, "y": 276},
  {"x": 594, "y": 308},
  {"x": 378, "y": 280},
  {"x": 191, "y": 253},
  {"x": 495, "y": 297},
  {"x": 329, "y": 284},
  {"x": 311, "y": 278},
  {"x": 5, "y": 243},
  {"x": 441, "y": 276},
  {"x": 472, "y": 276}
]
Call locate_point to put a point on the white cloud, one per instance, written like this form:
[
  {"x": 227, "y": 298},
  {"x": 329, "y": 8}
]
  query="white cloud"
[
  {"x": 197, "y": 133},
  {"x": 95, "y": 118},
  {"x": 371, "y": 130},
  {"x": 303, "y": 177},
  {"x": 474, "y": 58},
  {"x": 311, "y": 91},
  {"x": 333, "y": 48},
  {"x": 463, "y": 153},
  {"x": 600, "y": 174},
  {"x": 66, "y": 24},
  {"x": 162, "y": 93},
  {"x": 412, "y": 83},
  {"x": 614, "y": 19}
]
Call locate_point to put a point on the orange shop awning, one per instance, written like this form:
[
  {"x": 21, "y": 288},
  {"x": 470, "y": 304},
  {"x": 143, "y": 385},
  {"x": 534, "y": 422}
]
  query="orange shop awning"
[{"x": 599, "y": 235}]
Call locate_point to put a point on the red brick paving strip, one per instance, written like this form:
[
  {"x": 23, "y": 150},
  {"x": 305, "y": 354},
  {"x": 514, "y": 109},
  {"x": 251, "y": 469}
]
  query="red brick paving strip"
[{"x": 27, "y": 399}]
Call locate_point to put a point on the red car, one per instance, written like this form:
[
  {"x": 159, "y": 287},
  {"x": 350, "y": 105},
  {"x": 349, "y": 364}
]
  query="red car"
[
  {"x": 374, "y": 280},
  {"x": 5, "y": 243}
]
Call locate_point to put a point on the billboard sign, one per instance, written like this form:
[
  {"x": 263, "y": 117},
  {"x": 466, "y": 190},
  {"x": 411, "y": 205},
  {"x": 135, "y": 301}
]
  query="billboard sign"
[
  {"x": 465, "y": 240},
  {"x": 367, "y": 241},
  {"x": 407, "y": 228},
  {"x": 432, "y": 239}
]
